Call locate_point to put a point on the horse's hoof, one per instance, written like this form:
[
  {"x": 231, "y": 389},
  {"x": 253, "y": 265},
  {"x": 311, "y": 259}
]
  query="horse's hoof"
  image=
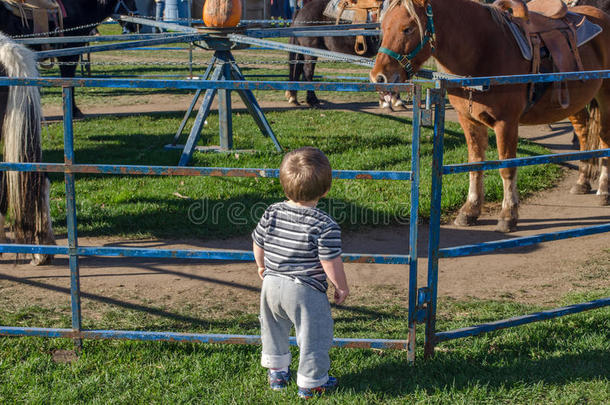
[
  {"x": 293, "y": 101},
  {"x": 505, "y": 226},
  {"x": 401, "y": 105},
  {"x": 314, "y": 104},
  {"x": 39, "y": 259},
  {"x": 465, "y": 220},
  {"x": 603, "y": 199},
  {"x": 580, "y": 189},
  {"x": 386, "y": 106}
]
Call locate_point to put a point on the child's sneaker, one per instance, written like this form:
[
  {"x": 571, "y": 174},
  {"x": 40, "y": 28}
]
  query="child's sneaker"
[
  {"x": 307, "y": 393},
  {"x": 278, "y": 380}
]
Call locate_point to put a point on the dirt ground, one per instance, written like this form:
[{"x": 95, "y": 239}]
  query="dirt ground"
[{"x": 540, "y": 274}]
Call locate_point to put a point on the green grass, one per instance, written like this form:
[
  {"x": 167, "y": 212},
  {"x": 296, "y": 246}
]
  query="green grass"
[
  {"x": 562, "y": 361},
  {"x": 177, "y": 207}
]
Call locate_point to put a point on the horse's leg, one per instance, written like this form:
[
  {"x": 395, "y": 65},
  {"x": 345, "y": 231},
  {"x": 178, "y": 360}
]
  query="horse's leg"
[
  {"x": 602, "y": 188},
  {"x": 604, "y": 142},
  {"x": 397, "y": 102},
  {"x": 69, "y": 71},
  {"x": 580, "y": 122},
  {"x": 295, "y": 71},
  {"x": 308, "y": 72},
  {"x": 476, "y": 138},
  {"x": 506, "y": 136}
]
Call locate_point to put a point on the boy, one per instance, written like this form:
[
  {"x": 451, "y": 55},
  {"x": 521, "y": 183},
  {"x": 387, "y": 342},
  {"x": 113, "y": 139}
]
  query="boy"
[{"x": 297, "y": 247}]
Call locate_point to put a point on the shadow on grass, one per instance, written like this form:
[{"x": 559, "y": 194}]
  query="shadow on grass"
[
  {"x": 551, "y": 352},
  {"x": 453, "y": 372}
]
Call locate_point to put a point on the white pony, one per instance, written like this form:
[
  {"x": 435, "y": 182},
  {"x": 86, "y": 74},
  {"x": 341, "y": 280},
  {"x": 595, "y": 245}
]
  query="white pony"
[{"x": 25, "y": 195}]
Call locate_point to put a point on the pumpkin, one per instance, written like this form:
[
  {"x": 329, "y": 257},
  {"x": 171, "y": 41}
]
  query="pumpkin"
[{"x": 222, "y": 13}]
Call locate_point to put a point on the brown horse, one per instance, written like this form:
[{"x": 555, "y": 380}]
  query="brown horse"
[{"x": 472, "y": 41}]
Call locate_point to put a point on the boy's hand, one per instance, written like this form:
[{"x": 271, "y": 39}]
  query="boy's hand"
[
  {"x": 261, "y": 270},
  {"x": 340, "y": 296}
]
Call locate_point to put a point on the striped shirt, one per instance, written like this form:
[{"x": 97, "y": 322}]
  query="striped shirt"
[{"x": 295, "y": 239}]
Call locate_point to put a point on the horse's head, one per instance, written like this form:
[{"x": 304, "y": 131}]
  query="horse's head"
[{"x": 407, "y": 40}]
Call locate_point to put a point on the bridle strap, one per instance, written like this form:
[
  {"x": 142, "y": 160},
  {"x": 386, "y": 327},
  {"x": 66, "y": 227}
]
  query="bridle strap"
[{"x": 429, "y": 36}]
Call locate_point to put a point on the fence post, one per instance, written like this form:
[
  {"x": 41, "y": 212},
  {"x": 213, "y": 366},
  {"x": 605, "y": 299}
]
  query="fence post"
[
  {"x": 413, "y": 221},
  {"x": 430, "y": 293},
  {"x": 67, "y": 93}
]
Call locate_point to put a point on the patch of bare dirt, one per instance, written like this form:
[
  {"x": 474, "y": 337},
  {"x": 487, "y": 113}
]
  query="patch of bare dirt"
[{"x": 540, "y": 274}]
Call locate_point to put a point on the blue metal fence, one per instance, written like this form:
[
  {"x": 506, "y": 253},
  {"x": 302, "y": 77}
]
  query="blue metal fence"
[
  {"x": 74, "y": 250},
  {"x": 427, "y": 296},
  {"x": 422, "y": 301}
]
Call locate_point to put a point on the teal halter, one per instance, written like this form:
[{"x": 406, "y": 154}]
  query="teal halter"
[{"x": 405, "y": 60}]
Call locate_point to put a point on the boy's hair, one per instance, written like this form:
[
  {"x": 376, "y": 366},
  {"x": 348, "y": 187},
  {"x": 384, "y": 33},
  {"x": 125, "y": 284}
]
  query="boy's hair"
[{"x": 305, "y": 174}]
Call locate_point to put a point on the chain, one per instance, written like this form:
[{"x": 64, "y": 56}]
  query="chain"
[
  {"x": 237, "y": 63},
  {"x": 57, "y": 31},
  {"x": 61, "y": 31}
]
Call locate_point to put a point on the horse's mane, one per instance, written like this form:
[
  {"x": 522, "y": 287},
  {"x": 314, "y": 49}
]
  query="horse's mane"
[{"x": 497, "y": 15}]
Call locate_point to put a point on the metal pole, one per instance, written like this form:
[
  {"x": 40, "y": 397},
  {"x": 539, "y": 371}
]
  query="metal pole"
[
  {"x": 435, "y": 217},
  {"x": 187, "y": 115},
  {"x": 71, "y": 215},
  {"x": 413, "y": 222},
  {"x": 190, "y": 22},
  {"x": 224, "y": 105}
]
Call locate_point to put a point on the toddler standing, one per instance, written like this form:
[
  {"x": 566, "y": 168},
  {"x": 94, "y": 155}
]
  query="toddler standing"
[{"x": 297, "y": 248}]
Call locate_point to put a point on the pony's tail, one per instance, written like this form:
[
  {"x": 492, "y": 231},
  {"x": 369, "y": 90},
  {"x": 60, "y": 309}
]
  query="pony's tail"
[
  {"x": 593, "y": 140},
  {"x": 28, "y": 192}
]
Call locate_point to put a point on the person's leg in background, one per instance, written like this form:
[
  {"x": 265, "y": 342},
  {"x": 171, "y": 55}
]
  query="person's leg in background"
[
  {"x": 183, "y": 10},
  {"x": 159, "y": 7},
  {"x": 145, "y": 9}
]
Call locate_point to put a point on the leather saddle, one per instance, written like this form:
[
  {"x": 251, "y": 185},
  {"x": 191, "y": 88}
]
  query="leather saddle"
[
  {"x": 357, "y": 12},
  {"x": 37, "y": 12},
  {"x": 546, "y": 31}
]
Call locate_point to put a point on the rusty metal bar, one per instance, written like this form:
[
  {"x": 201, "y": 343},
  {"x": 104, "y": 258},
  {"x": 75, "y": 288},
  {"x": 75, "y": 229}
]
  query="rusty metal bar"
[
  {"x": 141, "y": 170},
  {"x": 353, "y": 343},
  {"x": 466, "y": 250},
  {"x": 521, "y": 320},
  {"x": 68, "y": 97},
  {"x": 201, "y": 254},
  {"x": 206, "y": 84}
]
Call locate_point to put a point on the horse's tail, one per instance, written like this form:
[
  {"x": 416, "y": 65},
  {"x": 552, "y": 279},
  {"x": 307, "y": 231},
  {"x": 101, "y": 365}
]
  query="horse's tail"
[
  {"x": 28, "y": 192},
  {"x": 593, "y": 140}
]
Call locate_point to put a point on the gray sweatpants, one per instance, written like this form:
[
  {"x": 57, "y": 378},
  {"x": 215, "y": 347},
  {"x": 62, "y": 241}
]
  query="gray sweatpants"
[{"x": 286, "y": 302}]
